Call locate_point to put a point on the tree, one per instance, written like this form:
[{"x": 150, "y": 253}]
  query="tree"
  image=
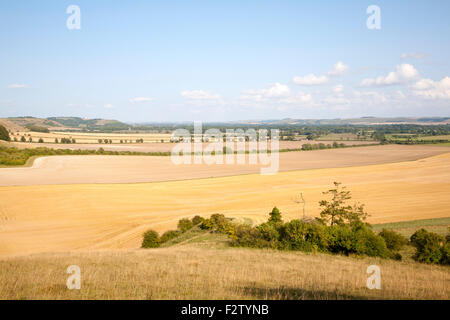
[
  {"x": 22, "y": 139},
  {"x": 185, "y": 224},
  {"x": 337, "y": 212},
  {"x": 4, "y": 135},
  {"x": 41, "y": 140},
  {"x": 151, "y": 239},
  {"x": 275, "y": 216}
]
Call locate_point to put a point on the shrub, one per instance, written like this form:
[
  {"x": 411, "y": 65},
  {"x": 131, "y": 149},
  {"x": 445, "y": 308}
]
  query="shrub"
[
  {"x": 169, "y": 235},
  {"x": 151, "y": 239},
  {"x": 445, "y": 251},
  {"x": 197, "y": 220},
  {"x": 304, "y": 236},
  {"x": 247, "y": 236},
  {"x": 270, "y": 234},
  {"x": 340, "y": 239},
  {"x": 394, "y": 240},
  {"x": 428, "y": 246},
  {"x": 184, "y": 225},
  {"x": 365, "y": 241},
  {"x": 4, "y": 135},
  {"x": 41, "y": 140},
  {"x": 219, "y": 223},
  {"x": 275, "y": 215}
]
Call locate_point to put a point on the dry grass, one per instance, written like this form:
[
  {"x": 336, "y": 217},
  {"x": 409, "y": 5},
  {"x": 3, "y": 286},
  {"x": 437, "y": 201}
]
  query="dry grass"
[
  {"x": 193, "y": 273},
  {"x": 110, "y": 216}
]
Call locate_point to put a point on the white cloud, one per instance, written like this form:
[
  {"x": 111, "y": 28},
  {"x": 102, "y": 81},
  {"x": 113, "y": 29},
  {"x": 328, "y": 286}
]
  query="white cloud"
[
  {"x": 404, "y": 73},
  {"x": 412, "y": 55},
  {"x": 17, "y": 86},
  {"x": 338, "y": 69},
  {"x": 299, "y": 98},
  {"x": 310, "y": 80},
  {"x": 276, "y": 90},
  {"x": 432, "y": 89},
  {"x": 200, "y": 95},
  {"x": 108, "y": 106},
  {"x": 141, "y": 99}
]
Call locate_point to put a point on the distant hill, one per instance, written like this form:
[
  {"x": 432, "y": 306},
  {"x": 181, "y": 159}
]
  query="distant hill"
[{"x": 65, "y": 123}]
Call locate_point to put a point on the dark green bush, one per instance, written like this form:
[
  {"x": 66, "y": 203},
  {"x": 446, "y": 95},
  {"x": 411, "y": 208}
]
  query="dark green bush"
[
  {"x": 275, "y": 216},
  {"x": 219, "y": 223},
  {"x": 428, "y": 246},
  {"x": 365, "y": 241},
  {"x": 247, "y": 236},
  {"x": 394, "y": 240},
  {"x": 151, "y": 239},
  {"x": 4, "y": 135},
  {"x": 185, "y": 224},
  {"x": 304, "y": 236},
  {"x": 169, "y": 235},
  {"x": 270, "y": 234},
  {"x": 445, "y": 251},
  {"x": 197, "y": 220},
  {"x": 340, "y": 239}
]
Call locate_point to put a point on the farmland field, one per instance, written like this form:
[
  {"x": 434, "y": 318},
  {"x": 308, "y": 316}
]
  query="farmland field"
[
  {"x": 98, "y": 216},
  {"x": 129, "y": 169}
]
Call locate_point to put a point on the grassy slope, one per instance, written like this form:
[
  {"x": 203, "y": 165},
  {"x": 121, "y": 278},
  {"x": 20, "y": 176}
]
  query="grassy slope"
[{"x": 200, "y": 265}]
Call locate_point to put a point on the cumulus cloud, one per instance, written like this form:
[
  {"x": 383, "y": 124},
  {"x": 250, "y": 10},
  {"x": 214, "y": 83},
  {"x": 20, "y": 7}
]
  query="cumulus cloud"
[
  {"x": 17, "y": 86},
  {"x": 276, "y": 90},
  {"x": 199, "y": 95},
  {"x": 310, "y": 80},
  {"x": 338, "y": 69},
  {"x": 404, "y": 73},
  {"x": 430, "y": 89}
]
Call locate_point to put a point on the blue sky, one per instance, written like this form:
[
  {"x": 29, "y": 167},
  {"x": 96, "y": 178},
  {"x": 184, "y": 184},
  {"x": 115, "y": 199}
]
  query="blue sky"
[{"x": 142, "y": 61}]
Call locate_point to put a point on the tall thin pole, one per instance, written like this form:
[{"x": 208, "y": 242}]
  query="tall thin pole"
[{"x": 304, "y": 204}]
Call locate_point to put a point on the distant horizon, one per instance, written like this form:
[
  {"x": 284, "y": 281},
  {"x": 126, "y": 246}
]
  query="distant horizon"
[{"x": 241, "y": 120}]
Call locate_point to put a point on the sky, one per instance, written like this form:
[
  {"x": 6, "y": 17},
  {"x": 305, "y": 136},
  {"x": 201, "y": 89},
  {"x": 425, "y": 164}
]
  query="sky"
[{"x": 159, "y": 61}]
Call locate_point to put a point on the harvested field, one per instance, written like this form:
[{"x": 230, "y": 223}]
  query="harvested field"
[
  {"x": 130, "y": 169},
  {"x": 94, "y": 216},
  {"x": 159, "y": 146}
]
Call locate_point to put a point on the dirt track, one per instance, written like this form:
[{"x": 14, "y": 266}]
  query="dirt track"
[{"x": 131, "y": 169}]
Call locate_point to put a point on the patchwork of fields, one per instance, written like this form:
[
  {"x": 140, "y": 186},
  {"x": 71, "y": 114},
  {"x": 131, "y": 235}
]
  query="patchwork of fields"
[{"x": 48, "y": 218}]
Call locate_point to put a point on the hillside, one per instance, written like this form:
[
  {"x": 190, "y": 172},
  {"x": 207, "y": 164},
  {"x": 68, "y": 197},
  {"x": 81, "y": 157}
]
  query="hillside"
[
  {"x": 64, "y": 123},
  {"x": 206, "y": 268}
]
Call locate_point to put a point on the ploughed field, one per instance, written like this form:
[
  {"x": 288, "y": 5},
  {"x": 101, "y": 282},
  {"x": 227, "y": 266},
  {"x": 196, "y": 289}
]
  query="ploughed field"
[{"x": 397, "y": 183}]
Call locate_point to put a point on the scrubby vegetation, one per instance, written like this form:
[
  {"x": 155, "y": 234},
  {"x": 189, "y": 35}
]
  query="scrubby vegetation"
[
  {"x": 36, "y": 128},
  {"x": 11, "y": 156},
  {"x": 341, "y": 229},
  {"x": 430, "y": 247},
  {"x": 4, "y": 135}
]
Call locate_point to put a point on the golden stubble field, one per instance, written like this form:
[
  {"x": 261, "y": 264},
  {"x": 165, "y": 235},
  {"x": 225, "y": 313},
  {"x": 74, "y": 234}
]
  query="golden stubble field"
[{"x": 110, "y": 216}]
